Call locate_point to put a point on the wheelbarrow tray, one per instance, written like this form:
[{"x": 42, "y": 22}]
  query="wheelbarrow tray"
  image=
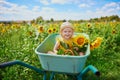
[{"x": 60, "y": 63}]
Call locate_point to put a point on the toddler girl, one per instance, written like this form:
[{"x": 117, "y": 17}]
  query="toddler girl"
[{"x": 66, "y": 36}]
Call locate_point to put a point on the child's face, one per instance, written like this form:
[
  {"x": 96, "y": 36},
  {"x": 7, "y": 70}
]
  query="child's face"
[{"x": 67, "y": 33}]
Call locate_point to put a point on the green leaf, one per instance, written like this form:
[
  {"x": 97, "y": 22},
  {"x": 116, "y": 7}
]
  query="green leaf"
[
  {"x": 64, "y": 45},
  {"x": 60, "y": 51}
]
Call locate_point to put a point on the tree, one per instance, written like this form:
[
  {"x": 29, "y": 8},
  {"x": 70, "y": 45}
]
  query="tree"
[
  {"x": 114, "y": 18},
  {"x": 33, "y": 21},
  {"x": 39, "y": 19},
  {"x": 52, "y": 20}
]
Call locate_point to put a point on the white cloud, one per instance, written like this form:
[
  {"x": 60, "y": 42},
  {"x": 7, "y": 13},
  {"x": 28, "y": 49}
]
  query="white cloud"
[
  {"x": 45, "y": 2},
  {"x": 84, "y": 5},
  {"x": 10, "y": 8},
  {"x": 48, "y": 2},
  {"x": 3, "y": 2},
  {"x": 60, "y": 1},
  {"x": 15, "y": 12},
  {"x": 36, "y": 8},
  {"x": 109, "y": 5},
  {"x": 112, "y": 4},
  {"x": 118, "y": 8},
  {"x": 10, "y": 11},
  {"x": 47, "y": 9},
  {"x": 109, "y": 9}
]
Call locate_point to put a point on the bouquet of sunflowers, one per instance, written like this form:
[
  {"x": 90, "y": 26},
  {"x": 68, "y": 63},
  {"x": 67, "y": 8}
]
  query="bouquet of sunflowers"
[{"x": 78, "y": 45}]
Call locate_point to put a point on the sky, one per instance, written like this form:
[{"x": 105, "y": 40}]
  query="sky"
[{"x": 57, "y": 9}]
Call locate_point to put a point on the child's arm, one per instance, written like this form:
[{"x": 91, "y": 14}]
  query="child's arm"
[{"x": 56, "y": 47}]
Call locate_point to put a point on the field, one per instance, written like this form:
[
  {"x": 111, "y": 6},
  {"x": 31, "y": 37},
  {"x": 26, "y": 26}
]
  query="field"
[{"x": 19, "y": 40}]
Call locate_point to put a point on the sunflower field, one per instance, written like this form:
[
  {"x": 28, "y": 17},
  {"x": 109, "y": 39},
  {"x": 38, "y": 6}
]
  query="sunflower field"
[{"x": 18, "y": 41}]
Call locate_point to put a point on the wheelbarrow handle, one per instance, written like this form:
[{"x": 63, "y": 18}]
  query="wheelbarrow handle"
[
  {"x": 90, "y": 68},
  {"x": 18, "y": 62},
  {"x": 6, "y": 64},
  {"x": 94, "y": 70}
]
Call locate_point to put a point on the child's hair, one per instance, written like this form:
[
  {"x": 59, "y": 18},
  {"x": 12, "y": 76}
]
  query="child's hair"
[{"x": 66, "y": 25}]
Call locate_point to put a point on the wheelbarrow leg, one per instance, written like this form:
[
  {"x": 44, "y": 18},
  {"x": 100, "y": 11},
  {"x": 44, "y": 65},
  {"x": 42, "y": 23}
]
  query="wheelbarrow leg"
[
  {"x": 44, "y": 76},
  {"x": 88, "y": 68},
  {"x": 52, "y": 75},
  {"x": 79, "y": 78}
]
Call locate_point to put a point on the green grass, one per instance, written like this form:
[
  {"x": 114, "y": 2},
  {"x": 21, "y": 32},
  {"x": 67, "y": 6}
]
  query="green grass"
[{"x": 16, "y": 44}]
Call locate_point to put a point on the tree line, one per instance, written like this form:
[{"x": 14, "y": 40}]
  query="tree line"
[
  {"x": 39, "y": 20},
  {"x": 113, "y": 18}
]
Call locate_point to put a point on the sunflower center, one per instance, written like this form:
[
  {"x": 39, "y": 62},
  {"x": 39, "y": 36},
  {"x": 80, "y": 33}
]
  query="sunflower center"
[{"x": 80, "y": 41}]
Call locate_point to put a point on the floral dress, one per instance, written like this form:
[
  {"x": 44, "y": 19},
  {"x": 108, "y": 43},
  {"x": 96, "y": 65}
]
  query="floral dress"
[{"x": 65, "y": 45}]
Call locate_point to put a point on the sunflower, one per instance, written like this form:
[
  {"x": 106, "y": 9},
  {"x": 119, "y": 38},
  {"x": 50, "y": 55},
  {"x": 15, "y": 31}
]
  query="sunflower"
[
  {"x": 96, "y": 43},
  {"x": 91, "y": 46},
  {"x": 50, "y": 30},
  {"x": 54, "y": 29},
  {"x": 80, "y": 40},
  {"x": 113, "y": 31},
  {"x": 30, "y": 33},
  {"x": 3, "y": 31},
  {"x": 40, "y": 29},
  {"x": 88, "y": 25},
  {"x": 99, "y": 39}
]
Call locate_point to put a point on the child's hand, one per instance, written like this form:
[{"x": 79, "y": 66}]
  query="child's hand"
[
  {"x": 76, "y": 48},
  {"x": 81, "y": 53},
  {"x": 55, "y": 51},
  {"x": 50, "y": 52}
]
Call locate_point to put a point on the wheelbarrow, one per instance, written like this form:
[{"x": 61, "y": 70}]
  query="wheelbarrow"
[{"x": 57, "y": 64}]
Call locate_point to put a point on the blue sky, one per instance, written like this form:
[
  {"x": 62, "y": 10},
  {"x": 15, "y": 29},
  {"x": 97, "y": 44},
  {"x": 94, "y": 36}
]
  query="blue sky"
[{"x": 57, "y": 9}]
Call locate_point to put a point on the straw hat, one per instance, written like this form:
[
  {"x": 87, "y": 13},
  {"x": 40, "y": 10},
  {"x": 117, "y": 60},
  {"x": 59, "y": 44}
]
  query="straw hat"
[{"x": 66, "y": 25}]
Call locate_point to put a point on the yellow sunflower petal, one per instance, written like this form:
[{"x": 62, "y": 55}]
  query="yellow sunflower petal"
[{"x": 80, "y": 40}]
